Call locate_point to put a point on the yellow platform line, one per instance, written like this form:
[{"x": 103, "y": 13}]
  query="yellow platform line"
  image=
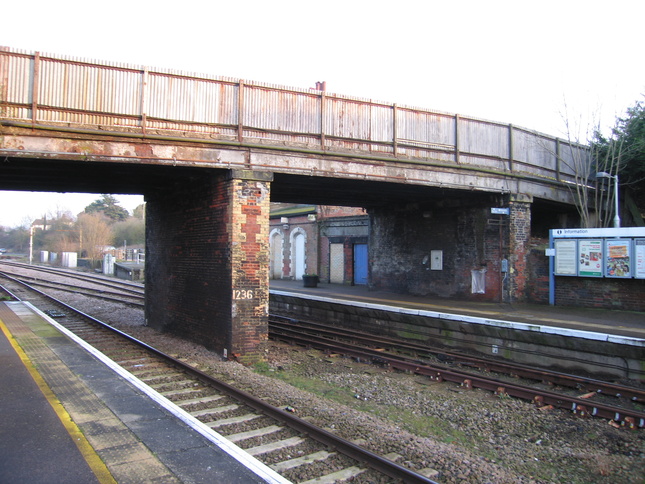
[{"x": 87, "y": 451}]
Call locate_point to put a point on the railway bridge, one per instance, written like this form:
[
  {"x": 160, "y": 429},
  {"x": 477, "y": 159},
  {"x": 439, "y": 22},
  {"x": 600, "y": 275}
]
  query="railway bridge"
[{"x": 210, "y": 153}]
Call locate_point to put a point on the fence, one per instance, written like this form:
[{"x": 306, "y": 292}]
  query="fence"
[{"x": 45, "y": 89}]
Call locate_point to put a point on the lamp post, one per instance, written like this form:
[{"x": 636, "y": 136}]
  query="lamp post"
[{"x": 604, "y": 174}]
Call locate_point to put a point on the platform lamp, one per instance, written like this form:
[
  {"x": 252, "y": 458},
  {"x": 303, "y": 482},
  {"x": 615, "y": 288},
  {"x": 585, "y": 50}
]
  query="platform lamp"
[{"x": 604, "y": 174}]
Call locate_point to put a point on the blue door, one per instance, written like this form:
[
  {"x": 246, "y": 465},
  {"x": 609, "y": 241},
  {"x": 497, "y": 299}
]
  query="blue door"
[{"x": 360, "y": 264}]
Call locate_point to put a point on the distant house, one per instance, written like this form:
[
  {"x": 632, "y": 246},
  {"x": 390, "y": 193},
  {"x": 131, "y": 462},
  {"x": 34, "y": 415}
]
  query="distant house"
[
  {"x": 329, "y": 241},
  {"x": 40, "y": 223}
]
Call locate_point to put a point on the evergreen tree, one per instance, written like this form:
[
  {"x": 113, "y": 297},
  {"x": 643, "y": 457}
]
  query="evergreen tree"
[
  {"x": 623, "y": 154},
  {"x": 108, "y": 206}
]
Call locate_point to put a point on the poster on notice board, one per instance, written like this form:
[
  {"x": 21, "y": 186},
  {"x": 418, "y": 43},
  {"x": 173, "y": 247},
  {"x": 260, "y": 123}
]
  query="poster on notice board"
[
  {"x": 565, "y": 257},
  {"x": 639, "y": 255},
  {"x": 618, "y": 262},
  {"x": 590, "y": 258}
]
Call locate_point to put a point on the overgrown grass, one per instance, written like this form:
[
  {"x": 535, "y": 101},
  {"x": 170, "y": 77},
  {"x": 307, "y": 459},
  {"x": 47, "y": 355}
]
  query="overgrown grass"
[{"x": 421, "y": 425}]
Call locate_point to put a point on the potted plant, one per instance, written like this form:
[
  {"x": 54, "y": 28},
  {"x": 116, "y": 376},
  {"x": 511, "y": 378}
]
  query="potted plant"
[{"x": 310, "y": 280}]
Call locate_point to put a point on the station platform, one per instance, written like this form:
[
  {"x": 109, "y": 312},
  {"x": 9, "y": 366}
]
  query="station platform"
[
  {"x": 630, "y": 324},
  {"x": 68, "y": 416}
]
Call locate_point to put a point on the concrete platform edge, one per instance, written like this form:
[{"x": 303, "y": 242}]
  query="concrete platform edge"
[
  {"x": 574, "y": 333},
  {"x": 260, "y": 469}
]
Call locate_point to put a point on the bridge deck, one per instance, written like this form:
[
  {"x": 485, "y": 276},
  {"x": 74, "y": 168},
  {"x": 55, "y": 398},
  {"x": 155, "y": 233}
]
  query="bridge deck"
[{"x": 89, "y": 97}]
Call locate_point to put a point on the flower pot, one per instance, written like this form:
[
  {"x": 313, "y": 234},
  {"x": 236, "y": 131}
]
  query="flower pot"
[{"x": 310, "y": 281}]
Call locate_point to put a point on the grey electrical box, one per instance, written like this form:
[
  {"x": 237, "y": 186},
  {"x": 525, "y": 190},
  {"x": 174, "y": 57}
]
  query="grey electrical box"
[
  {"x": 504, "y": 265},
  {"x": 436, "y": 260}
]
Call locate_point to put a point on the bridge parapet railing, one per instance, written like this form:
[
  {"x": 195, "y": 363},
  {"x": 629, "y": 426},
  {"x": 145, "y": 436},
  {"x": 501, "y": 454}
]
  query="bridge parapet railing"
[{"x": 49, "y": 89}]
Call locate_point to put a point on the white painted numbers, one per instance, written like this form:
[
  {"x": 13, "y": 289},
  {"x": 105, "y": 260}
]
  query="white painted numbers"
[{"x": 242, "y": 293}]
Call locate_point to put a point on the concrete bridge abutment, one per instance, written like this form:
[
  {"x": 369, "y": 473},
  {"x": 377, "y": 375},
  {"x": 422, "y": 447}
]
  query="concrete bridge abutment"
[{"x": 207, "y": 253}]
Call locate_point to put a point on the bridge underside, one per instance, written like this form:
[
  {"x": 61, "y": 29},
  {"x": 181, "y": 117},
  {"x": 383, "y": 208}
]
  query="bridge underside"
[
  {"x": 70, "y": 176},
  {"x": 207, "y": 223}
]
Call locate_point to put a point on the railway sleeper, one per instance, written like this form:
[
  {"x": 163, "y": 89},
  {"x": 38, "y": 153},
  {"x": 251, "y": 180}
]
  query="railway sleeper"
[
  {"x": 338, "y": 476},
  {"x": 233, "y": 420},
  {"x": 249, "y": 434},
  {"x": 286, "y": 465},
  {"x": 273, "y": 446},
  {"x": 214, "y": 410},
  {"x": 193, "y": 401},
  {"x": 161, "y": 377},
  {"x": 182, "y": 392},
  {"x": 185, "y": 383},
  {"x": 138, "y": 362}
]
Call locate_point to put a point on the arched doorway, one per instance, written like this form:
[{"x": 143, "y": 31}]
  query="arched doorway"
[
  {"x": 276, "y": 260},
  {"x": 298, "y": 255}
]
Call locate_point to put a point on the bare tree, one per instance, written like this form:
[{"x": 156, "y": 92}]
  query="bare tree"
[
  {"x": 583, "y": 158},
  {"x": 95, "y": 234}
]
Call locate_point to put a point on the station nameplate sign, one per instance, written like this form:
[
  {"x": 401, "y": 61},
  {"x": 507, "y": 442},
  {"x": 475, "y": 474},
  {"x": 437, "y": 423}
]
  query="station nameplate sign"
[{"x": 500, "y": 211}]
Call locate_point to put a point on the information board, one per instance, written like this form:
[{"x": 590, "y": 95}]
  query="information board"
[
  {"x": 566, "y": 257},
  {"x": 639, "y": 256},
  {"x": 618, "y": 262},
  {"x": 590, "y": 257}
]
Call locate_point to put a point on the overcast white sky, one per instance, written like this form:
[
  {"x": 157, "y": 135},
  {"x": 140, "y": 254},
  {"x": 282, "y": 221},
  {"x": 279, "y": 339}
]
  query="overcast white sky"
[{"x": 531, "y": 64}]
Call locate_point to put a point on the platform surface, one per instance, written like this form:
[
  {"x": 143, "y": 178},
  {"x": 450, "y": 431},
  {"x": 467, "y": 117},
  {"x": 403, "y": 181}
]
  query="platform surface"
[
  {"x": 608, "y": 321},
  {"x": 51, "y": 386}
]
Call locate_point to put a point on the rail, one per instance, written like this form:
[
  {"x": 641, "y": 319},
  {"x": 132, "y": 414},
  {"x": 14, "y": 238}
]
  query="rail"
[
  {"x": 65, "y": 91},
  {"x": 381, "y": 464}
]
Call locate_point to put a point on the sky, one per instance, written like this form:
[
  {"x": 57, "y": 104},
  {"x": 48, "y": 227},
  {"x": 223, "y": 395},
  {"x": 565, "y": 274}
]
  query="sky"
[{"x": 559, "y": 67}]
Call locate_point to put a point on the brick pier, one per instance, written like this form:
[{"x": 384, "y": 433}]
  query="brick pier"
[{"x": 207, "y": 262}]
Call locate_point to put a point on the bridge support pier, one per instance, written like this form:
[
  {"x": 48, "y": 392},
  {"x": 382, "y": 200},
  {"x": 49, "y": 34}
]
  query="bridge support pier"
[
  {"x": 519, "y": 238},
  {"x": 441, "y": 248},
  {"x": 207, "y": 253}
]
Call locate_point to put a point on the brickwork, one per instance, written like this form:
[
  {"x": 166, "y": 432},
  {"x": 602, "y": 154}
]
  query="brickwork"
[
  {"x": 207, "y": 263},
  {"x": 249, "y": 235},
  {"x": 329, "y": 224},
  {"x": 401, "y": 241},
  {"x": 519, "y": 246},
  {"x": 537, "y": 287},
  {"x": 606, "y": 293},
  {"x": 309, "y": 229}
]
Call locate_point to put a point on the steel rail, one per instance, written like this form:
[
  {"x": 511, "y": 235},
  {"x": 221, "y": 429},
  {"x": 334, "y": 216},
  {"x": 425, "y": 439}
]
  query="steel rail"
[
  {"x": 72, "y": 287},
  {"x": 97, "y": 293},
  {"x": 582, "y": 407},
  {"x": 516, "y": 369},
  {"x": 374, "y": 461},
  {"x": 122, "y": 285}
]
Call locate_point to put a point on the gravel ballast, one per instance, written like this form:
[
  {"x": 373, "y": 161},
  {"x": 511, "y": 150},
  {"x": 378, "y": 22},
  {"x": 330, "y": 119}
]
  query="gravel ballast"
[{"x": 466, "y": 436}]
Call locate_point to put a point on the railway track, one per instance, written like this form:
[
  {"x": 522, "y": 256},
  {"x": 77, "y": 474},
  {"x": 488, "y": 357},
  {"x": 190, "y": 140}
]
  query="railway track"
[
  {"x": 89, "y": 285},
  {"x": 330, "y": 340},
  {"x": 282, "y": 327},
  {"x": 580, "y": 399},
  {"x": 121, "y": 286},
  {"x": 271, "y": 434}
]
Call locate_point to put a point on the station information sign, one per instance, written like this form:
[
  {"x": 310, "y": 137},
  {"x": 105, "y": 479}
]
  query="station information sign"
[{"x": 616, "y": 253}]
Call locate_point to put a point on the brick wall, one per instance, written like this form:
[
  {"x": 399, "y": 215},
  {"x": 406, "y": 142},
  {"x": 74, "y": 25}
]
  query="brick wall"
[
  {"x": 624, "y": 294},
  {"x": 401, "y": 241},
  {"x": 298, "y": 224},
  {"x": 206, "y": 263},
  {"x": 519, "y": 247},
  {"x": 537, "y": 287},
  {"x": 249, "y": 204}
]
